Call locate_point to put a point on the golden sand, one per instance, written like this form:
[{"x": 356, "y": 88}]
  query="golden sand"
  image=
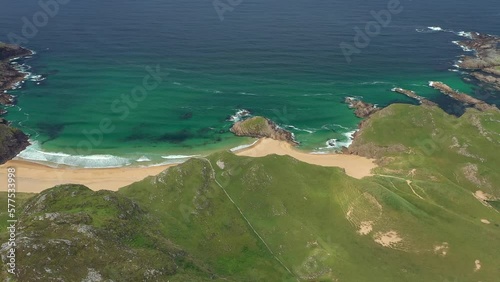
[{"x": 34, "y": 177}]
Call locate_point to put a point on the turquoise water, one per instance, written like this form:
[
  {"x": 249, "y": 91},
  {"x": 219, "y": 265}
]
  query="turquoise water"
[{"x": 280, "y": 59}]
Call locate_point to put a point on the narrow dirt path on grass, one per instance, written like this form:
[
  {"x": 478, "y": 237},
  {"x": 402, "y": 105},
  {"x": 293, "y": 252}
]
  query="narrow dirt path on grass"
[
  {"x": 406, "y": 180},
  {"x": 245, "y": 218}
]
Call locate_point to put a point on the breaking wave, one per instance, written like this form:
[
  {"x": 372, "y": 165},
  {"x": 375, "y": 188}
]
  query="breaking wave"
[{"x": 35, "y": 153}]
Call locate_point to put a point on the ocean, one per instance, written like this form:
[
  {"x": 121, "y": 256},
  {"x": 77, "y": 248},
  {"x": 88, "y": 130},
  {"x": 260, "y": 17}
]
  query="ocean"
[{"x": 141, "y": 83}]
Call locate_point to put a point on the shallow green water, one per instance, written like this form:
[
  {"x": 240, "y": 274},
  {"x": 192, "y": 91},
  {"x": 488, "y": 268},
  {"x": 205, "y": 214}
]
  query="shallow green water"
[{"x": 279, "y": 61}]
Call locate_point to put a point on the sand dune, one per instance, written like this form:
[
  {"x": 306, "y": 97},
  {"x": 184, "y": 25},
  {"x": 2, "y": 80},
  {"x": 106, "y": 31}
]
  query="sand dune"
[{"x": 33, "y": 177}]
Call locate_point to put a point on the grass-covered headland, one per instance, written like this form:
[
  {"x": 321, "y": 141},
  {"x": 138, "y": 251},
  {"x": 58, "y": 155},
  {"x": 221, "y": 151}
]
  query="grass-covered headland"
[{"x": 431, "y": 213}]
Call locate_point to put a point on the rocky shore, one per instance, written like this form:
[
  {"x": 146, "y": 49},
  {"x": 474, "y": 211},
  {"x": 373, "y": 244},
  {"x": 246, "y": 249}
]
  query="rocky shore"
[
  {"x": 361, "y": 109},
  {"x": 485, "y": 65},
  {"x": 9, "y": 76},
  {"x": 12, "y": 140},
  {"x": 260, "y": 127},
  {"x": 413, "y": 95},
  {"x": 463, "y": 98}
]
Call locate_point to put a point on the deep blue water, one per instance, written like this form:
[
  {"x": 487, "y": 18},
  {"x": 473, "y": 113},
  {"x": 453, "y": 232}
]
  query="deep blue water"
[{"x": 281, "y": 59}]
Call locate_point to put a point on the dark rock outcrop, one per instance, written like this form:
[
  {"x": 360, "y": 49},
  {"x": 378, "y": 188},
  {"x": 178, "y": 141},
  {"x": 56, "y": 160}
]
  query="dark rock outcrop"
[
  {"x": 485, "y": 65},
  {"x": 9, "y": 76},
  {"x": 7, "y": 99},
  {"x": 12, "y": 142},
  {"x": 461, "y": 97},
  {"x": 361, "y": 109},
  {"x": 260, "y": 127},
  {"x": 413, "y": 95}
]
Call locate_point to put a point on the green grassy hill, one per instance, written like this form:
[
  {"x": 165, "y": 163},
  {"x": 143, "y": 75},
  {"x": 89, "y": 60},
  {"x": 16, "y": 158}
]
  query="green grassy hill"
[{"x": 431, "y": 213}]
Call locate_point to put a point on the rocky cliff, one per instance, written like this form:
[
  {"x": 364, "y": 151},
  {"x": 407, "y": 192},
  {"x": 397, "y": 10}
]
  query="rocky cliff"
[{"x": 12, "y": 142}]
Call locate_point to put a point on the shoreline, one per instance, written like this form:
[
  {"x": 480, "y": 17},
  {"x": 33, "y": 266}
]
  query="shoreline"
[{"x": 35, "y": 177}]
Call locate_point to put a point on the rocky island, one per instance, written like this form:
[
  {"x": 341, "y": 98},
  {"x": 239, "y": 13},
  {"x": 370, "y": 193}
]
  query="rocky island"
[{"x": 260, "y": 127}]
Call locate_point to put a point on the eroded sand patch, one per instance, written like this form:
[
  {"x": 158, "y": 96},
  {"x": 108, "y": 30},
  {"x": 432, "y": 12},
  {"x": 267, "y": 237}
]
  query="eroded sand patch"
[
  {"x": 220, "y": 164},
  {"x": 477, "y": 265},
  {"x": 365, "y": 227},
  {"x": 442, "y": 249},
  {"x": 485, "y": 221},
  {"x": 363, "y": 213},
  {"x": 483, "y": 197},
  {"x": 387, "y": 239}
]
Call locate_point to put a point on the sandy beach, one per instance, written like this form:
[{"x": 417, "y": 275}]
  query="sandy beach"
[
  {"x": 355, "y": 166},
  {"x": 33, "y": 177}
]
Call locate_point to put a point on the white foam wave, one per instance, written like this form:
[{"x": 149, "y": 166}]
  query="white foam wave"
[
  {"x": 350, "y": 138},
  {"x": 329, "y": 126},
  {"x": 35, "y": 153},
  {"x": 241, "y": 147},
  {"x": 174, "y": 157},
  {"x": 439, "y": 29},
  {"x": 465, "y": 48},
  {"x": 332, "y": 143},
  {"x": 143, "y": 159},
  {"x": 374, "y": 82},
  {"x": 319, "y": 152},
  {"x": 300, "y": 129},
  {"x": 430, "y": 29},
  {"x": 247, "y": 94},
  {"x": 36, "y": 77},
  {"x": 336, "y": 144},
  {"x": 239, "y": 115},
  {"x": 435, "y": 28},
  {"x": 464, "y": 34}
]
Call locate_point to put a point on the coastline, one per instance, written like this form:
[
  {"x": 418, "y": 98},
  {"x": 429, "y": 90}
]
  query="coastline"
[
  {"x": 35, "y": 177},
  {"x": 12, "y": 140},
  {"x": 354, "y": 166}
]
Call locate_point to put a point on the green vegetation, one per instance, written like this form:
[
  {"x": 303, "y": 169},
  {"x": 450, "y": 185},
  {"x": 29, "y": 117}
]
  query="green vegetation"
[
  {"x": 72, "y": 232},
  {"x": 428, "y": 214},
  {"x": 255, "y": 124}
]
